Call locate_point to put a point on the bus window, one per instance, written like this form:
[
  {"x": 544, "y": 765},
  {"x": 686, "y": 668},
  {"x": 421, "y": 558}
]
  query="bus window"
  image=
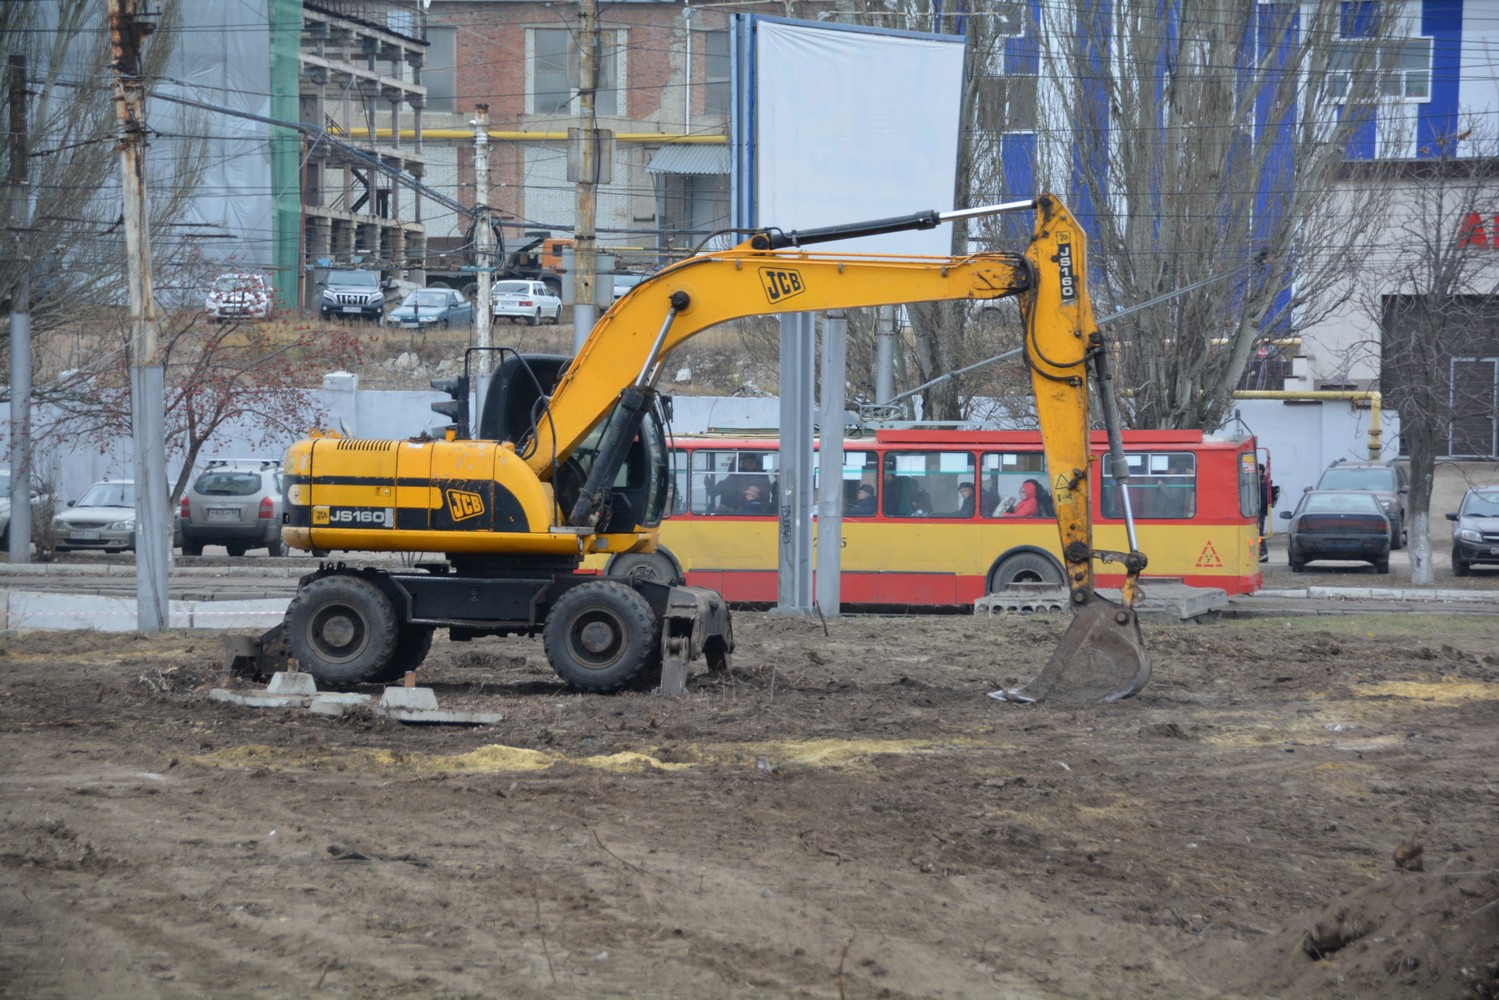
[
  {"x": 860, "y": 472},
  {"x": 676, "y": 497},
  {"x": 928, "y": 484},
  {"x": 1161, "y": 485},
  {"x": 718, "y": 480},
  {"x": 1002, "y": 489}
]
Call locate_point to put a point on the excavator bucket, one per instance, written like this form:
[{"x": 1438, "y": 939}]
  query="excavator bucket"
[{"x": 1100, "y": 658}]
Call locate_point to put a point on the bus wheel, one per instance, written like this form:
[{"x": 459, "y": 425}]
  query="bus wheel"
[
  {"x": 342, "y": 630},
  {"x": 1025, "y": 568},
  {"x": 600, "y": 635},
  {"x": 655, "y": 567}
]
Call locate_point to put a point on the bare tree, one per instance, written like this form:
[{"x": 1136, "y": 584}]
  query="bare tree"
[
  {"x": 1198, "y": 140},
  {"x": 1433, "y": 291},
  {"x": 71, "y": 238},
  {"x": 252, "y": 375}
]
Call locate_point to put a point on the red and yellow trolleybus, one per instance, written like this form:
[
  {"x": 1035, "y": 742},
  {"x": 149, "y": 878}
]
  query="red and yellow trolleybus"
[{"x": 943, "y": 517}]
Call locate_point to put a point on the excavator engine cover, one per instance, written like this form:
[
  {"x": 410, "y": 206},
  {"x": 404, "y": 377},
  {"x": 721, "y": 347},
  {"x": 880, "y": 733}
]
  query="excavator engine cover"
[{"x": 1100, "y": 658}]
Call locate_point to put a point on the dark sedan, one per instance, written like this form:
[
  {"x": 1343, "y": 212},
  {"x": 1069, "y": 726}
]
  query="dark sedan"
[
  {"x": 1475, "y": 530},
  {"x": 440, "y": 307},
  {"x": 1334, "y": 525}
]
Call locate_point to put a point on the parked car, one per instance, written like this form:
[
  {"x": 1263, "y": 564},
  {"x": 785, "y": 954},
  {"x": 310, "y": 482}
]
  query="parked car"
[
  {"x": 1389, "y": 483},
  {"x": 526, "y": 301},
  {"x": 236, "y": 504},
  {"x": 103, "y": 519},
  {"x": 1475, "y": 530},
  {"x": 440, "y": 307},
  {"x": 353, "y": 294},
  {"x": 239, "y": 296},
  {"x": 1338, "y": 524},
  {"x": 36, "y": 501},
  {"x": 624, "y": 282}
]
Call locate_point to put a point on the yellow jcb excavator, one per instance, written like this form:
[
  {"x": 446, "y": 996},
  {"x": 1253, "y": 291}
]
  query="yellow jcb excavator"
[{"x": 569, "y": 459}]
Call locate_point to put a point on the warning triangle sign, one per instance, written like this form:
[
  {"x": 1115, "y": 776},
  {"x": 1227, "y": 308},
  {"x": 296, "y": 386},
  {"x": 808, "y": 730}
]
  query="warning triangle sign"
[{"x": 1209, "y": 557}]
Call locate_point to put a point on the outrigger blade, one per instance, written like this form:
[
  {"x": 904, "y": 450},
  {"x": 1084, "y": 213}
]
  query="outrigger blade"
[{"x": 1100, "y": 658}]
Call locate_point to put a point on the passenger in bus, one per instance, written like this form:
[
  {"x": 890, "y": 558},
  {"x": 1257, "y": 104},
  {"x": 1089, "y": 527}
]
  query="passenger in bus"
[
  {"x": 921, "y": 503},
  {"x": 1034, "y": 502},
  {"x": 863, "y": 506},
  {"x": 965, "y": 501},
  {"x": 754, "y": 500},
  {"x": 729, "y": 491}
]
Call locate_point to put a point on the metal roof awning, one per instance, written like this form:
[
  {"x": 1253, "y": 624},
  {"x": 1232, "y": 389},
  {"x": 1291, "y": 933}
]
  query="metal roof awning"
[{"x": 692, "y": 159}]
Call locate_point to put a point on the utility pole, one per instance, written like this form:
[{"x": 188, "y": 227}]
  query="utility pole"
[
  {"x": 585, "y": 247},
  {"x": 153, "y": 543},
  {"x": 483, "y": 229},
  {"x": 19, "y": 184}
]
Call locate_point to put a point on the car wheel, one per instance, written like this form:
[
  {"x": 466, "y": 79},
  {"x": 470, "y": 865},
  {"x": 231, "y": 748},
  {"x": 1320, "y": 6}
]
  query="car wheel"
[
  {"x": 534, "y": 320},
  {"x": 277, "y": 549},
  {"x": 443, "y": 324},
  {"x": 235, "y": 550},
  {"x": 1382, "y": 565},
  {"x": 557, "y": 316},
  {"x": 192, "y": 548},
  {"x": 1397, "y": 534},
  {"x": 1297, "y": 565},
  {"x": 1459, "y": 567}
]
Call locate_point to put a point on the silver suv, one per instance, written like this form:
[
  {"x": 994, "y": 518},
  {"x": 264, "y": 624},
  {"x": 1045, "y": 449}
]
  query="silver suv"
[
  {"x": 235, "y": 503},
  {"x": 353, "y": 293},
  {"x": 1389, "y": 483}
]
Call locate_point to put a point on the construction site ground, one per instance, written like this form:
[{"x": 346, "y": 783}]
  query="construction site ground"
[{"x": 1295, "y": 807}]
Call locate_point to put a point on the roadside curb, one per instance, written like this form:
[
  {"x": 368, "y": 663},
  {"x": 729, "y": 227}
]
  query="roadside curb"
[{"x": 1379, "y": 594}]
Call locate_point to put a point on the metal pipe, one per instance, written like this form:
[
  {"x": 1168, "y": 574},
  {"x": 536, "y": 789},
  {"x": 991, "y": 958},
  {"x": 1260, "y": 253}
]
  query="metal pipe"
[{"x": 1371, "y": 396}]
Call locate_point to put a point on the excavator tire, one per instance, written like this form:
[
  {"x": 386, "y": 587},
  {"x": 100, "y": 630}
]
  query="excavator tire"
[
  {"x": 600, "y": 635},
  {"x": 413, "y": 643},
  {"x": 342, "y": 631}
]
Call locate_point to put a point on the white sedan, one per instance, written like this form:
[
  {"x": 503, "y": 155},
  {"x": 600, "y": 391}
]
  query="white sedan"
[{"x": 526, "y": 301}]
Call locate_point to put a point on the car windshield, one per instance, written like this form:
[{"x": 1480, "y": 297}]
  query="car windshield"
[
  {"x": 512, "y": 288},
  {"x": 1481, "y": 504},
  {"x": 1357, "y": 479},
  {"x": 425, "y": 299},
  {"x": 1342, "y": 503},
  {"x": 108, "y": 495},
  {"x": 628, "y": 280},
  {"x": 356, "y": 279}
]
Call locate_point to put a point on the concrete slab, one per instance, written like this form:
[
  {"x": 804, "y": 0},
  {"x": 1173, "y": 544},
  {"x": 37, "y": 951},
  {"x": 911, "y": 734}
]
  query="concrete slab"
[
  {"x": 259, "y": 699},
  {"x": 409, "y": 699},
  {"x": 336, "y": 703},
  {"x": 1163, "y": 602},
  {"x": 285, "y": 682}
]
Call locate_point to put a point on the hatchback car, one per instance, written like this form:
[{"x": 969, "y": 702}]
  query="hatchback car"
[
  {"x": 624, "y": 282},
  {"x": 238, "y": 296},
  {"x": 236, "y": 504},
  {"x": 526, "y": 302},
  {"x": 426, "y": 307},
  {"x": 1475, "y": 530},
  {"x": 103, "y": 519},
  {"x": 1338, "y": 525},
  {"x": 1389, "y": 483}
]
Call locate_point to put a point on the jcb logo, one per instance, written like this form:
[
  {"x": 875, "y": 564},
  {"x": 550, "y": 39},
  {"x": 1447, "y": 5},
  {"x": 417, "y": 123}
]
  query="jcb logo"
[
  {"x": 463, "y": 505},
  {"x": 780, "y": 283}
]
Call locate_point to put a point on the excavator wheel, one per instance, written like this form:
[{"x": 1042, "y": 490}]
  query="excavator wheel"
[
  {"x": 413, "y": 643},
  {"x": 600, "y": 635},
  {"x": 342, "y": 630},
  {"x": 1101, "y": 657}
]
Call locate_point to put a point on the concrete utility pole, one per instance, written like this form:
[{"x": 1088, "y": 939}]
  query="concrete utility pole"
[
  {"x": 483, "y": 228},
  {"x": 153, "y": 543},
  {"x": 585, "y": 246},
  {"x": 19, "y": 183}
]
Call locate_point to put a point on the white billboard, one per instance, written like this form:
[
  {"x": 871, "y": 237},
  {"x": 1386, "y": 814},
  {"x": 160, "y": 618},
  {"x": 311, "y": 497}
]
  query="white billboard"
[{"x": 839, "y": 124}]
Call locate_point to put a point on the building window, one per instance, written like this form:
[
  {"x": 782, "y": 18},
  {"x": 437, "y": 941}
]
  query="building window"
[
  {"x": 440, "y": 71},
  {"x": 1009, "y": 20},
  {"x": 1395, "y": 70},
  {"x": 555, "y": 72},
  {"x": 716, "y": 72},
  {"x": 1008, "y": 103}
]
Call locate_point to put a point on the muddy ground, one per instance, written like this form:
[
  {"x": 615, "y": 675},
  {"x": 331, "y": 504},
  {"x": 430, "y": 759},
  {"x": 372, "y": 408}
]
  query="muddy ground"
[{"x": 1293, "y": 808}]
